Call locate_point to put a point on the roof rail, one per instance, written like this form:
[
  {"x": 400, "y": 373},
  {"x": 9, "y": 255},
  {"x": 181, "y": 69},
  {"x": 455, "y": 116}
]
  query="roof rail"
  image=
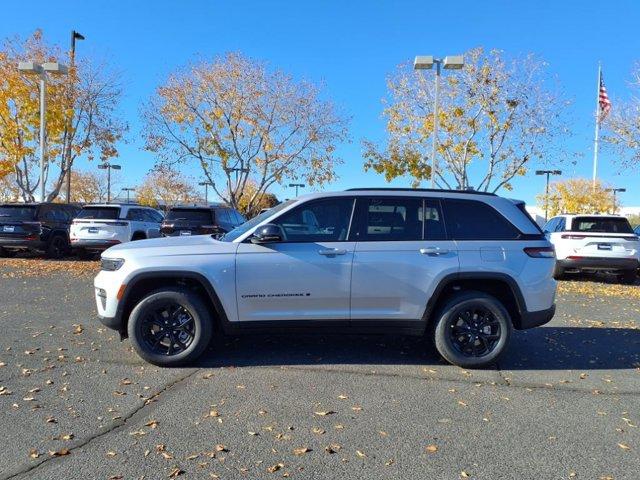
[{"x": 434, "y": 190}]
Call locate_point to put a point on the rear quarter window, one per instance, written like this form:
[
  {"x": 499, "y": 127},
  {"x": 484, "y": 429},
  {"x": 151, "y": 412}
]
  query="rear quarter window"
[
  {"x": 476, "y": 220},
  {"x": 99, "y": 213}
]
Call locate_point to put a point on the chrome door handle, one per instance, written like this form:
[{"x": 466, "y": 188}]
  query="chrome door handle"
[
  {"x": 433, "y": 251},
  {"x": 332, "y": 251}
]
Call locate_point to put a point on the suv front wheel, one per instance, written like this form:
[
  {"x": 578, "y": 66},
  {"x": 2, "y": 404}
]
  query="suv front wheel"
[
  {"x": 170, "y": 327},
  {"x": 472, "y": 330}
]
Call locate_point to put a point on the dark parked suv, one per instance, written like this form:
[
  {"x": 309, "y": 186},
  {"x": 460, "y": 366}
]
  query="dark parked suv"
[
  {"x": 216, "y": 220},
  {"x": 39, "y": 227}
]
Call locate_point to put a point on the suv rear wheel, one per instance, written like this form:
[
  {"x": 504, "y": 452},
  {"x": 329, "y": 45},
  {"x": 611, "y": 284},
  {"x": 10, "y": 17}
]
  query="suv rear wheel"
[
  {"x": 170, "y": 327},
  {"x": 57, "y": 247},
  {"x": 628, "y": 277},
  {"x": 472, "y": 330}
]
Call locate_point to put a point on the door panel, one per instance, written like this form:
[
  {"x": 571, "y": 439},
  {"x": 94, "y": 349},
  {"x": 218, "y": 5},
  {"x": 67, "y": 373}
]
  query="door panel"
[
  {"x": 294, "y": 281},
  {"x": 401, "y": 254},
  {"x": 307, "y": 275}
]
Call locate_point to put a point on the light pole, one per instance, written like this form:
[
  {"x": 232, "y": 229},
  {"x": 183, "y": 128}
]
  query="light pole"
[
  {"x": 72, "y": 60},
  {"x": 614, "y": 191},
  {"x": 297, "y": 185},
  {"x": 206, "y": 190},
  {"x": 128, "y": 189},
  {"x": 546, "y": 190},
  {"x": 34, "y": 68},
  {"x": 108, "y": 167},
  {"x": 426, "y": 62}
]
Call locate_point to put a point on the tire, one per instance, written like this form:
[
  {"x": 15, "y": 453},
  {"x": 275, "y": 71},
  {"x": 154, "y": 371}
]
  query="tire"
[
  {"x": 84, "y": 254},
  {"x": 199, "y": 327},
  {"x": 452, "y": 315},
  {"x": 558, "y": 272},
  {"x": 4, "y": 253},
  {"x": 628, "y": 277},
  {"x": 138, "y": 236},
  {"x": 58, "y": 246}
]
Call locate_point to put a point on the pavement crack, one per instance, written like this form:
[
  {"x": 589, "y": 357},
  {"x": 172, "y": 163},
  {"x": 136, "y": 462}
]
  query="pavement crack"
[{"x": 106, "y": 430}]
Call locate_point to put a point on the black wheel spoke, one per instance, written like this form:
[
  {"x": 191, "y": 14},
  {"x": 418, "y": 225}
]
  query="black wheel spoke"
[
  {"x": 474, "y": 331},
  {"x": 164, "y": 338}
]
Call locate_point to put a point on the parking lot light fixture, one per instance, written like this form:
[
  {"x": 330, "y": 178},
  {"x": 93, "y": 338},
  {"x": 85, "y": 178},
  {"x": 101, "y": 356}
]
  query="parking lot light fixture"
[
  {"x": 34, "y": 68},
  {"x": 297, "y": 185},
  {"x": 546, "y": 190},
  {"x": 108, "y": 167},
  {"x": 615, "y": 191},
  {"x": 128, "y": 190},
  {"x": 426, "y": 62},
  {"x": 206, "y": 191}
]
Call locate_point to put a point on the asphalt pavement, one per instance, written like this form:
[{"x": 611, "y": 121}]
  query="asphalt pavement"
[{"x": 77, "y": 403}]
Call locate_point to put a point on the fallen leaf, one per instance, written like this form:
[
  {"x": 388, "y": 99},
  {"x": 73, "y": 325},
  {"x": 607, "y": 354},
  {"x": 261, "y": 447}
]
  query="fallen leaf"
[
  {"x": 360, "y": 454},
  {"x": 60, "y": 453},
  {"x": 111, "y": 453},
  {"x": 176, "y": 472},
  {"x": 333, "y": 448},
  {"x": 151, "y": 424},
  {"x": 221, "y": 448},
  {"x": 319, "y": 431},
  {"x": 324, "y": 413},
  {"x": 275, "y": 468},
  {"x": 464, "y": 474},
  {"x": 624, "y": 446},
  {"x": 301, "y": 451},
  {"x": 33, "y": 453},
  {"x": 432, "y": 448}
]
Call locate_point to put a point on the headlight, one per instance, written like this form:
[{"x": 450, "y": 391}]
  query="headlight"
[{"x": 111, "y": 264}]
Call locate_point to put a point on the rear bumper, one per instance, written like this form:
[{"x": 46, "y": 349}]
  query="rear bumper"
[
  {"x": 599, "y": 263},
  {"x": 537, "y": 318},
  {"x": 23, "y": 244},
  {"x": 93, "y": 244}
]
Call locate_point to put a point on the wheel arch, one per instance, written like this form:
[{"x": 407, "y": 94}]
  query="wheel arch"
[
  {"x": 500, "y": 285},
  {"x": 146, "y": 282}
]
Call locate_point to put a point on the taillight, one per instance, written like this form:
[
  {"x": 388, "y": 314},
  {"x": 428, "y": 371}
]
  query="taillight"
[
  {"x": 573, "y": 237},
  {"x": 631, "y": 239},
  {"x": 540, "y": 252}
]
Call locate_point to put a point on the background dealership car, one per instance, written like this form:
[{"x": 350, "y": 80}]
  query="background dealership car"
[
  {"x": 594, "y": 243},
  {"x": 39, "y": 227},
  {"x": 195, "y": 220},
  {"x": 464, "y": 268},
  {"x": 98, "y": 227}
]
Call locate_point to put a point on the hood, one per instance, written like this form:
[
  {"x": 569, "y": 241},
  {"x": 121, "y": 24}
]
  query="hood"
[{"x": 170, "y": 246}]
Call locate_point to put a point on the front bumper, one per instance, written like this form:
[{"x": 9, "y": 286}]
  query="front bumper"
[
  {"x": 599, "y": 263},
  {"x": 22, "y": 244},
  {"x": 537, "y": 318},
  {"x": 92, "y": 244}
]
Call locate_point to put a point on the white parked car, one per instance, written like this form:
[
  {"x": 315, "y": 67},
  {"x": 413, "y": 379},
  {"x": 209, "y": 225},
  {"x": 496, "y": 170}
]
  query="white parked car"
[
  {"x": 463, "y": 268},
  {"x": 98, "y": 227},
  {"x": 592, "y": 243}
]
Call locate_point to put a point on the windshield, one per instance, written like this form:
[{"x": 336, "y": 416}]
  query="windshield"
[
  {"x": 17, "y": 212},
  {"x": 202, "y": 215},
  {"x": 245, "y": 227},
  {"x": 100, "y": 213},
  {"x": 601, "y": 225}
]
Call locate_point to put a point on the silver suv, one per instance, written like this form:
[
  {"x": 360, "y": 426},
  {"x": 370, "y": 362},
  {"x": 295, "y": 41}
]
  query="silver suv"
[{"x": 463, "y": 268}]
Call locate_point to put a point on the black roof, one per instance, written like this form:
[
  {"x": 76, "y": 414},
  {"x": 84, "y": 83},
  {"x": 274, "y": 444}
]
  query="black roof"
[{"x": 433, "y": 190}]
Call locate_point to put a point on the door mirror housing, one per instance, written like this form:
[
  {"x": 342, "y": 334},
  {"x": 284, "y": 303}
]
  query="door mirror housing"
[{"x": 269, "y": 233}]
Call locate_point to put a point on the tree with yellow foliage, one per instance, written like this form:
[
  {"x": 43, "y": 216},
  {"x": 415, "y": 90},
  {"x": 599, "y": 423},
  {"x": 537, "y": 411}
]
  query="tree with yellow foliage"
[
  {"x": 89, "y": 187},
  {"x": 166, "y": 187},
  {"x": 240, "y": 121},
  {"x": 262, "y": 200},
  {"x": 496, "y": 118},
  {"x": 81, "y": 116},
  {"x": 577, "y": 195}
]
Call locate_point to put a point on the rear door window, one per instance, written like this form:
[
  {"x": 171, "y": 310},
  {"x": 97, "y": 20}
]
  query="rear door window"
[
  {"x": 387, "y": 219},
  {"x": 476, "y": 220},
  {"x": 601, "y": 225},
  {"x": 434, "y": 227},
  {"x": 99, "y": 213}
]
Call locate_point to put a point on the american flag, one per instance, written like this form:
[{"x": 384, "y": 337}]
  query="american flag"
[{"x": 603, "y": 100}]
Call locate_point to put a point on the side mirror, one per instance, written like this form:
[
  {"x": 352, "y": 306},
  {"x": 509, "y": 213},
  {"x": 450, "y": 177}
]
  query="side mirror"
[{"x": 268, "y": 233}]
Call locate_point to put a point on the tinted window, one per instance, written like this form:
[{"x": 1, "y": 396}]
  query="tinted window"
[
  {"x": 17, "y": 212},
  {"x": 100, "y": 213},
  {"x": 390, "y": 219},
  {"x": 248, "y": 225},
  {"x": 318, "y": 221},
  {"x": 601, "y": 225},
  {"x": 222, "y": 215},
  {"x": 154, "y": 216},
  {"x": 201, "y": 215},
  {"x": 135, "y": 214},
  {"x": 434, "y": 228},
  {"x": 475, "y": 220}
]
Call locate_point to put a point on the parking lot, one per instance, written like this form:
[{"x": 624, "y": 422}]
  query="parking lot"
[{"x": 75, "y": 402}]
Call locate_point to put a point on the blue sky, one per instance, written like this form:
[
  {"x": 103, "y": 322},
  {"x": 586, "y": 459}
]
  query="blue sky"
[{"x": 351, "y": 47}]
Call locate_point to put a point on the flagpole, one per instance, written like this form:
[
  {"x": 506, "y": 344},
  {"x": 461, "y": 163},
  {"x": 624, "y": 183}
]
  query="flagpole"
[{"x": 597, "y": 132}]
